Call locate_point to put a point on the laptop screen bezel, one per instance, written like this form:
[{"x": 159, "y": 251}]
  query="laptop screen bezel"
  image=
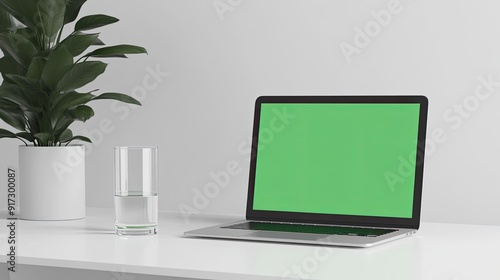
[{"x": 335, "y": 219}]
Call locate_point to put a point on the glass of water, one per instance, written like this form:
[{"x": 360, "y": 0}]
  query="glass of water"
[{"x": 136, "y": 190}]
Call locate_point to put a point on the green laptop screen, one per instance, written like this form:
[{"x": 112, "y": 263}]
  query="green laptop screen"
[{"x": 346, "y": 159}]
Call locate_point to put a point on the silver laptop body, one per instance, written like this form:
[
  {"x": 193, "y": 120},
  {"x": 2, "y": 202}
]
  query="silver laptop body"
[{"x": 333, "y": 170}]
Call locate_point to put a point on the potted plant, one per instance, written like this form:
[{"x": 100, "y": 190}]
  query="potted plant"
[{"x": 42, "y": 72}]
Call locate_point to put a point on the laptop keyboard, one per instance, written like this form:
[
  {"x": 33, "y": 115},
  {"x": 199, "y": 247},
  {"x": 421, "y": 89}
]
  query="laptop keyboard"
[{"x": 318, "y": 229}]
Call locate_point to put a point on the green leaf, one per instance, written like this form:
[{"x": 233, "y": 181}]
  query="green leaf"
[
  {"x": 50, "y": 16},
  {"x": 33, "y": 121},
  {"x": 78, "y": 137},
  {"x": 65, "y": 136},
  {"x": 68, "y": 101},
  {"x": 72, "y": 10},
  {"x": 19, "y": 47},
  {"x": 29, "y": 34},
  {"x": 80, "y": 75},
  {"x": 8, "y": 65},
  {"x": 15, "y": 94},
  {"x": 11, "y": 106},
  {"x": 98, "y": 42},
  {"x": 94, "y": 21},
  {"x": 43, "y": 138},
  {"x": 6, "y": 23},
  {"x": 46, "y": 17},
  {"x": 36, "y": 67},
  {"x": 26, "y": 84},
  {"x": 26, "y": 32},
  {"x": 14, "y": 120},
  {"x": 79, "y": 42},
  {"x": 57, "y": 66},
  {"x": 118, "y": 96},
  {"x": 12, "y": 114},
  {"x": 6, "y": 134},
  {"x": 82, "y": 113},
  {"x": 117, "y": 51},
  {"x": 65, "y": 120},
  {"x": 23, "y": 10},
  {"x": 120, "y": 55},
  {"x": 25, "y": 135}
]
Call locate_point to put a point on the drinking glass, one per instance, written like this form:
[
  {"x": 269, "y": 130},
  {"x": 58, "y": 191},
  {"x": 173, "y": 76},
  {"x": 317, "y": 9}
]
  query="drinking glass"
[{"x": 136, "y": 190}]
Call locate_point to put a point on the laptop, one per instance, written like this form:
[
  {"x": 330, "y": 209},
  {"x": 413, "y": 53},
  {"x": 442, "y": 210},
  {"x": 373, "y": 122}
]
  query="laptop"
[{"x": 333, "y": 170}]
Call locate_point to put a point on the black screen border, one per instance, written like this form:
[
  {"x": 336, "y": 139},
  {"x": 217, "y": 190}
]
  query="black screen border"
[{"x": 352, "y": 220}]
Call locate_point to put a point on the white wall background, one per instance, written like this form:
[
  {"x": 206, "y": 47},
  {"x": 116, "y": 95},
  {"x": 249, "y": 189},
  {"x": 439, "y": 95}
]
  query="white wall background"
[{"x": 218, "y": 63}]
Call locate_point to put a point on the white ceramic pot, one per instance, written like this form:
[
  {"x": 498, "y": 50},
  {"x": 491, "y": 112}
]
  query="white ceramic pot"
[{"x": 52, "y": 183}]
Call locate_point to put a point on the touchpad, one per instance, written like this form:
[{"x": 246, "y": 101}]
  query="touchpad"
[{"x": 285, "y": 235}]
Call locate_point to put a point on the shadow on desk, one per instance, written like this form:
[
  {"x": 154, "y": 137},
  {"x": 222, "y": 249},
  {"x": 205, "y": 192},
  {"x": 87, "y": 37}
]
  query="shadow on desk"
[{"x": 34, "y": 272}]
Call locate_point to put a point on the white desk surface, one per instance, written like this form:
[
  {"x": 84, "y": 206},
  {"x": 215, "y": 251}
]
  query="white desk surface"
[{"x": 437, "y": 251}]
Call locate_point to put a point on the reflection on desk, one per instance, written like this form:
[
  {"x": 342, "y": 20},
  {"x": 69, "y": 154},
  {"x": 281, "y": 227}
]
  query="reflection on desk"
[{"x": 437, "y": 251}]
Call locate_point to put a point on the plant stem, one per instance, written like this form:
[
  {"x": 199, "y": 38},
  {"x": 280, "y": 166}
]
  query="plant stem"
[
  {"x": 80, "y": 59},
  {"x": 22, "y": 140}
]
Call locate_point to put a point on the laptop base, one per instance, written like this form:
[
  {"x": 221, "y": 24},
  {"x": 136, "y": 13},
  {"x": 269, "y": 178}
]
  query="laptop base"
[{"x": 221, "y": 231}]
